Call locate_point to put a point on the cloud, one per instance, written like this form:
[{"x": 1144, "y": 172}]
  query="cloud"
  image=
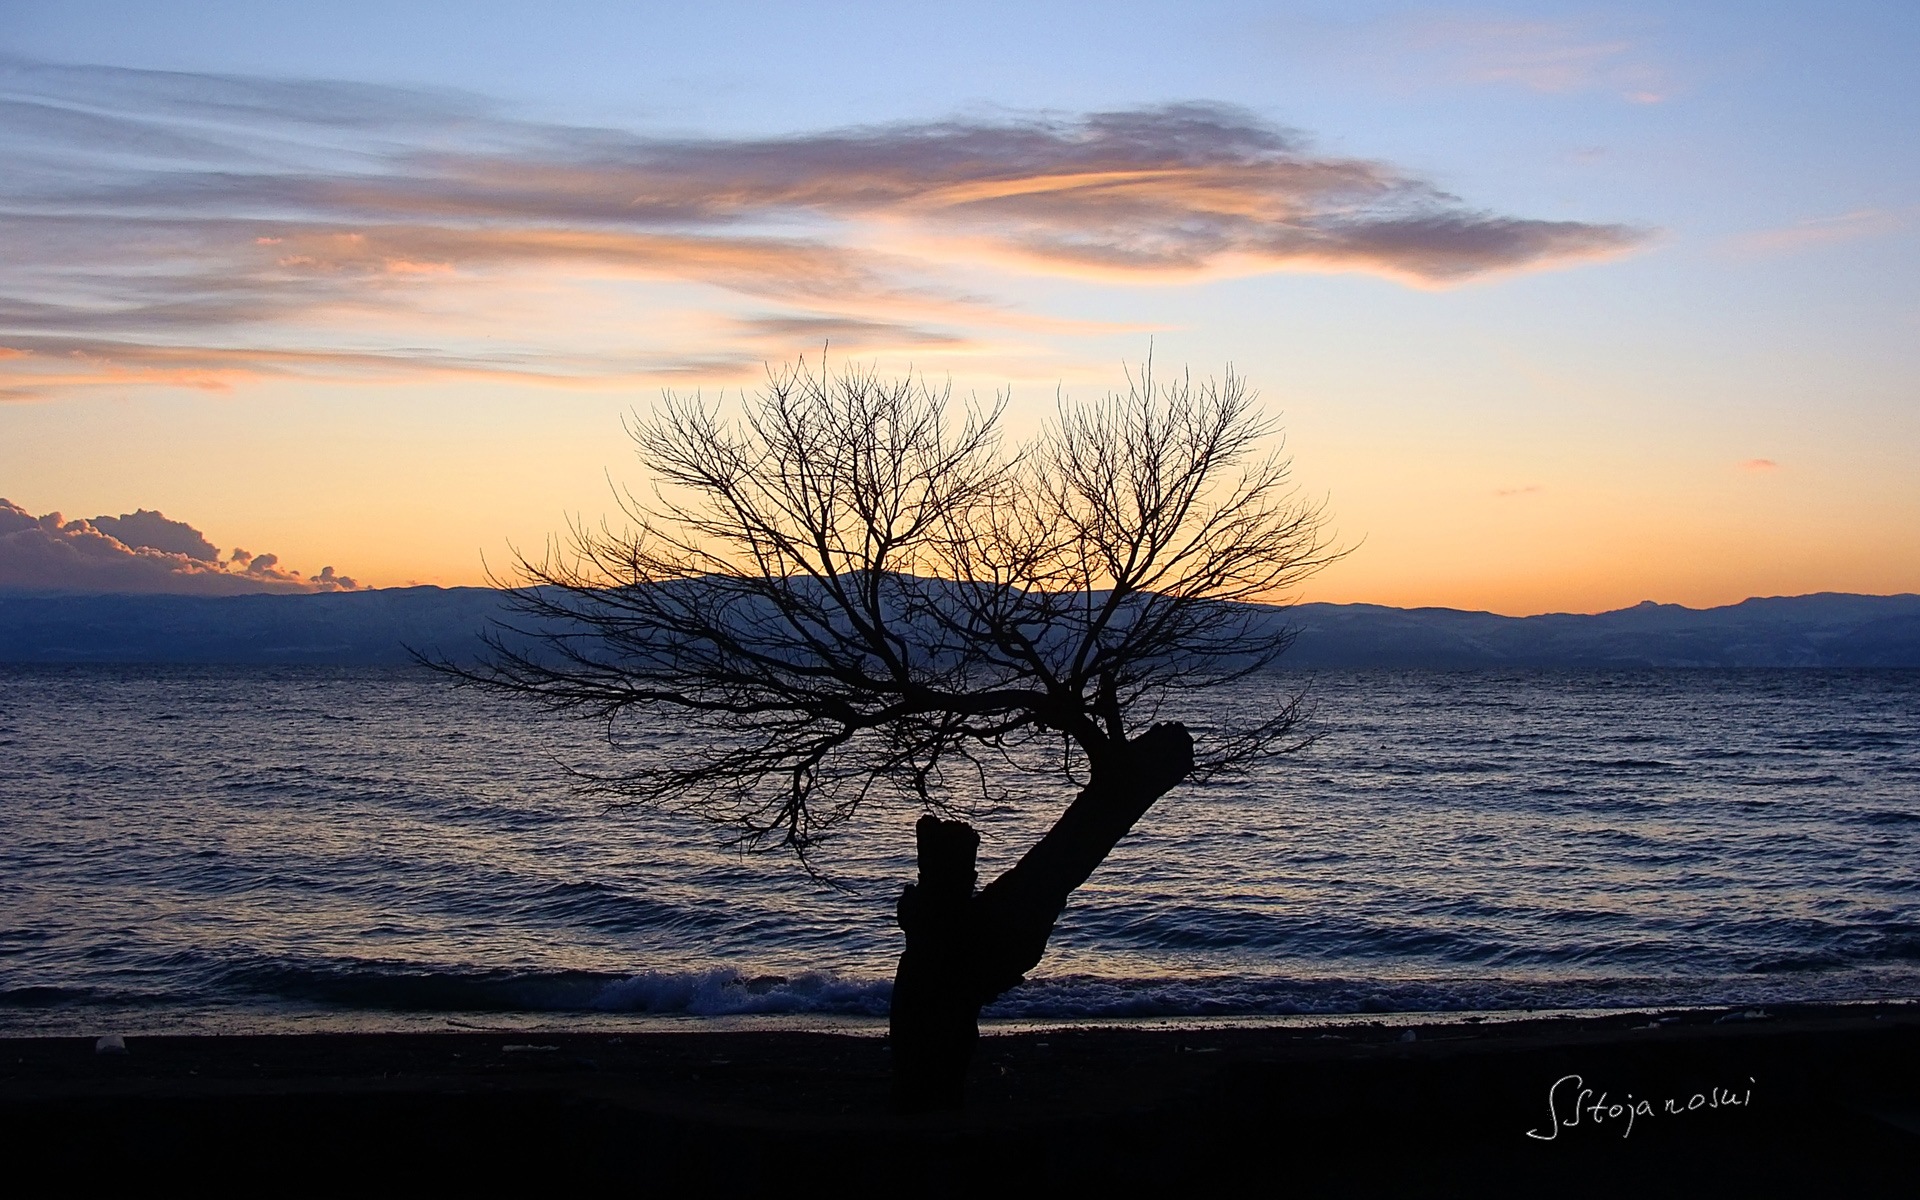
[
  {"x": 1548, "y": 57},
  {"x": 1761, "y": 465},
  {"x": 1531, "y": 489},
  {"x": 1820, "y": 231},
  {"x": 141, "y": 551},
  {"x": 842, "y": 331},
  {"x": 92, "y": 362},
  {"x": 197, "y": 230},
  {"x": 145, "y": 529}
]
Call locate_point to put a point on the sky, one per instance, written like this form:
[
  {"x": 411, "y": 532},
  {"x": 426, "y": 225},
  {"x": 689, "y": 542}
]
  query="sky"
[{"x": 1562, "y": 307}]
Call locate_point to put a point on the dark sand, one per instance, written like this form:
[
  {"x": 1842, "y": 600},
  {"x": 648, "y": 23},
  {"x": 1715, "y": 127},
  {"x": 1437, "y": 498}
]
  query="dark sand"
[{"x": 1335, "y": 1111}]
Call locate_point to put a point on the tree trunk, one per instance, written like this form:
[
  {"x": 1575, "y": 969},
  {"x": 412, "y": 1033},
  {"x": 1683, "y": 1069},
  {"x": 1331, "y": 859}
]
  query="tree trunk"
[{"x": 966, "y": 948}]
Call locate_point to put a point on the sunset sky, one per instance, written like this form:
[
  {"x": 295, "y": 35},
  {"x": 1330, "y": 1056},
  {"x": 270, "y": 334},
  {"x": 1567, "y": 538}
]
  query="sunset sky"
[{"x": 1563, "y": 306}]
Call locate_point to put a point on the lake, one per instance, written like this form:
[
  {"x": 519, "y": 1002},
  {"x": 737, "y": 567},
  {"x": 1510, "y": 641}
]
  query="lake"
[{"x": 283, "y": 848}]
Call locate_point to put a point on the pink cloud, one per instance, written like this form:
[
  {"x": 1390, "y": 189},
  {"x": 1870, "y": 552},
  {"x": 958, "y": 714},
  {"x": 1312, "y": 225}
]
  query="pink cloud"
[
  {"x": 142, "y": 552},
  {"x": 215, "y": 263},
  {"x": 1820, "y": 231}
]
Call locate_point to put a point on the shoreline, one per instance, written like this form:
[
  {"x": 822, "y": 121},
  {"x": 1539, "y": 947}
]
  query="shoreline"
[
  {"x": 1828, "y": 1101},
  {"x": 214, "y": 1021}
]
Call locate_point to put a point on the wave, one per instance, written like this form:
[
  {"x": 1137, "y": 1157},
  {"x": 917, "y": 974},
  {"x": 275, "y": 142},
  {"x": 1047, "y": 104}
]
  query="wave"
[
  {"x": 712, "y": 992},
  {"x": 1884, "y": 816},
  {"x": 371, "y": 987}
]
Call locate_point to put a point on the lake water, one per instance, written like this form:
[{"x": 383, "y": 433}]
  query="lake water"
[{"x": 261, "y": 848}]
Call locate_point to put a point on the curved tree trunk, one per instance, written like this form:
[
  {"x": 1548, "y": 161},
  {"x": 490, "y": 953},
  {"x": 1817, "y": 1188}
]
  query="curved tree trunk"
[{"x": 964, "y": 948}]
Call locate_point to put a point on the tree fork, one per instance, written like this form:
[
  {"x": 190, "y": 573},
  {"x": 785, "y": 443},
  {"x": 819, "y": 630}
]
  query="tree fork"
[{"x": 964, "y": 948}]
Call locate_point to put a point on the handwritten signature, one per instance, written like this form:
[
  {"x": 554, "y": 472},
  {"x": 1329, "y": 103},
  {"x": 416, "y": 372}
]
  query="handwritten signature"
[{"x": 1570, "y": 1102}]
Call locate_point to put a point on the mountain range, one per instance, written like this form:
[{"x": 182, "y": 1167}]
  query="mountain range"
[{"x": 376, "y": 627}]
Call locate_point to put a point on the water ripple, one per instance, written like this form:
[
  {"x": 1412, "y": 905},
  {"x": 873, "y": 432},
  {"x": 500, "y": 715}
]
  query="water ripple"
[{"x": 287, "y": 841}]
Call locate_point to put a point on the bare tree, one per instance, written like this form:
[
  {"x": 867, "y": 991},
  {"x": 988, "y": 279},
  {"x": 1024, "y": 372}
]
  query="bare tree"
[{"x": 853, "y": 589}]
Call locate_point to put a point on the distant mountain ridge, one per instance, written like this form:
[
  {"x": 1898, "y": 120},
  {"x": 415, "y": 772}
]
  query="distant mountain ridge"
[
  {"x": 367, "y": 628},
  {"x": 1827, "y": 629}
]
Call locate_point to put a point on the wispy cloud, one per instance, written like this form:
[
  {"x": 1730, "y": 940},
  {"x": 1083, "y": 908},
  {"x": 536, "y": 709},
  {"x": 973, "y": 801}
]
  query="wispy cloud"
[
  {"x": 1821, "y": 231},
  {"x": 1553, "y": 57},
  {"x": 1531, "y": 489},
  {"x": 199, "y": 230},
  {"x": 1760, "y": 465}
]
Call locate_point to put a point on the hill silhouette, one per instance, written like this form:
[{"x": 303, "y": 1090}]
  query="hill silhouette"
[{"x": 375, "y": 627}]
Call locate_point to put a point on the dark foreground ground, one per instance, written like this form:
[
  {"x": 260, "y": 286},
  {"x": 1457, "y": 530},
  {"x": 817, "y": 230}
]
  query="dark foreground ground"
[{"x": 1828, "y": 1105}]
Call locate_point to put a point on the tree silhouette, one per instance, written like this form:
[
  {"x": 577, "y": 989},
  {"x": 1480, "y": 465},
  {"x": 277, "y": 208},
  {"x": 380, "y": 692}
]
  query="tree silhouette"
[{"x": 853, "y": 587}]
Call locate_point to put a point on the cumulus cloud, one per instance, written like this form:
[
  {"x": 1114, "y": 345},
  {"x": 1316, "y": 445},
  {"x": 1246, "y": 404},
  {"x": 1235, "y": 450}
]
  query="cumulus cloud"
[
  {"x": 196, "y": 230},
  {"x": 145, "y": 529},
  {"x": 140, "y": 551}
]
